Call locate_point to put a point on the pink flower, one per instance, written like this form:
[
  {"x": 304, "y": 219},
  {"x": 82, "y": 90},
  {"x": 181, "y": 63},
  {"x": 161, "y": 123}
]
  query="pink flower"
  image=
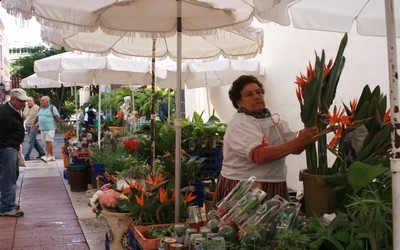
[
  {"x": 109, "y": 198},
  {"x": 105, "y": 187}
]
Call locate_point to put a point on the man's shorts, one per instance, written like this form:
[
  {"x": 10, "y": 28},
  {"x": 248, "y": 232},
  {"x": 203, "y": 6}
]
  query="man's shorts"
[{"x": 47, "y": 135}]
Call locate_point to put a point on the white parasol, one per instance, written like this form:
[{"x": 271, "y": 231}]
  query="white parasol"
[
  {"x": 88, "y": 69},
  {"x": 148, "y": 18},
  {"x": 206, "y": 74}
]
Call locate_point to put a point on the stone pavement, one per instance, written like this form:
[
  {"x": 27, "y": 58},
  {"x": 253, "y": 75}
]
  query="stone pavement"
[{"x": 55, "y": 217}]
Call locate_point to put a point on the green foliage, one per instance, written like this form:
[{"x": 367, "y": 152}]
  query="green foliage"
[
  {"x": 161, "y": 232},
  {"x": 202, "y": 133},
  {"x": 134, "y": 168},
  {"x": 164, "y": 137},
  {"x": 366, "y": 221},
  {"x": 364, "y": 152},
  {"x": 190, "y": 165},
  {"x": 293, "y": 239},
  {"x": 368, "y": 173},
  {"x": 371, "y": 220},
  {"x": 335, "y": 235},
  {"x": 23, "y": 66},
  {"x": 67, "y": 110},
  {"x": 373, "y": 133},
  {"x": 114, "y": 157},
  {"x": 114, "y": 99}
]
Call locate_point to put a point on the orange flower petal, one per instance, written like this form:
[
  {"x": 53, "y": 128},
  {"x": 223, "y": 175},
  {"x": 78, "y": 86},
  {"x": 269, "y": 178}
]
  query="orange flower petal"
[
  {"x": 140, "y": 200},
  {"x": 190, "y": 197}
]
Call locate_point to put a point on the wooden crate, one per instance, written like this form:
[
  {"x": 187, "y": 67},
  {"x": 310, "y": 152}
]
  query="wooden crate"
[
  {"x": 150, "y": 244},
  {"x": 144, "y": 242}
]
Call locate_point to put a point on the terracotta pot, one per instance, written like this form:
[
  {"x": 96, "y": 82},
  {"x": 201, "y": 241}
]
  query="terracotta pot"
[
  {"x": 319, "y": 197},
  {"x": 117, "y": 226}
]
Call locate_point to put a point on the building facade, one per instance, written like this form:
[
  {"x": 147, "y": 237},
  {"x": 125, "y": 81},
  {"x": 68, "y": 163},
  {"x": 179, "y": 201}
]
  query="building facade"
[{"x": 5, "y": 80}]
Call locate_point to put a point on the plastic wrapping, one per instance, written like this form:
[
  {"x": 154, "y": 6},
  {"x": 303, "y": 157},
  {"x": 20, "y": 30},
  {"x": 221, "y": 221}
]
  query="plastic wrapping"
[
  {"x": 264, "y": 213},
  {"x": 287, "y": 217},
  {"x": 244, "y": 208},
  {"x": 234, "y": 196}
]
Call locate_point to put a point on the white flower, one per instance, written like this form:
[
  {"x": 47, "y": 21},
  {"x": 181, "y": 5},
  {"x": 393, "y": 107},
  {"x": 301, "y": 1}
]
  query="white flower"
[{"x": 94, "y": 200}]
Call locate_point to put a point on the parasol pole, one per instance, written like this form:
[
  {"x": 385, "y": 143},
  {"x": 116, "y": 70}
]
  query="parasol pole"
[
  {"x": 99, "y": 112},
  {"x": 169, "y": 105},
  {"x": 208, "y": 97},
  {"x": 178, "y": 120},
  {"x": 99, "y": 121},
  {"x": 76, "y": 113},
  {"x": 134, "y": 111},
  {"x": 394, "y": 117},
  {"x": 152, "y": 112}
]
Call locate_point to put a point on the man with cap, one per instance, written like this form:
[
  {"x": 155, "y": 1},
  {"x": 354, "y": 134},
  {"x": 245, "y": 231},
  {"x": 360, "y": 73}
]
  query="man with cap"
[{"x": 12, "y": 133}]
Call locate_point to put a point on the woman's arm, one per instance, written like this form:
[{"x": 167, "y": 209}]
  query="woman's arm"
[{"x": 265, "y": 153}]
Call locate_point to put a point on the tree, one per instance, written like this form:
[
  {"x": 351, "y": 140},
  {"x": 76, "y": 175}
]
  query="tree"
[{"x": 23, "y": 67}]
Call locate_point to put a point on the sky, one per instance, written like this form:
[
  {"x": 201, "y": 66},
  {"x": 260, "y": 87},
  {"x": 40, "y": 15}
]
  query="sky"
[{"x": 20, "y": 35}]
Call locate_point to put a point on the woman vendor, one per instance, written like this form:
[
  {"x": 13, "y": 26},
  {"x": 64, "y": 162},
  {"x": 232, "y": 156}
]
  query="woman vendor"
[{"x": 256, "y": 142}]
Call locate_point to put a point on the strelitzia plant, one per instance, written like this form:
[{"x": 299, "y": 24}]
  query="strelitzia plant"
[{"x": 315, "y": 92}]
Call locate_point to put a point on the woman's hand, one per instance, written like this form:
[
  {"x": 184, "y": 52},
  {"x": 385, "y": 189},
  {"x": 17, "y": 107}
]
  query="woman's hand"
[{"x": 307, "y": 136}]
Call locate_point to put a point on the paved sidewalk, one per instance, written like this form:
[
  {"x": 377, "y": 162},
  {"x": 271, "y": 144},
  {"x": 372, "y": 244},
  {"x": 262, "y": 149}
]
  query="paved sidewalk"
[{"x": 55, "y": 217}]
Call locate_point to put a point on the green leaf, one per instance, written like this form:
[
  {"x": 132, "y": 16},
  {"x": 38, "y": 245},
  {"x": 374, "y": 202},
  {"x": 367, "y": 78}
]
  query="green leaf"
[{"x": 361, "y": 174}]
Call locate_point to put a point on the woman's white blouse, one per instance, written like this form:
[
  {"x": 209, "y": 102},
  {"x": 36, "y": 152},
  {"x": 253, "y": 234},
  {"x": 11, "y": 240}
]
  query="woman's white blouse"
[{"x": 243, "y": 134}]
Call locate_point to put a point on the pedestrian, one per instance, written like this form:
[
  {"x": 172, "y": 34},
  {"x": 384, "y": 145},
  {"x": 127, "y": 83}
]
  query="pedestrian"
[
  {"x": 48, "y": 118},
  {"x": 90, "y": 116},
  {"x": 162, "y": 109},
  {"x": 30, "y": 114},
  {"x": 12, "y": 133}
]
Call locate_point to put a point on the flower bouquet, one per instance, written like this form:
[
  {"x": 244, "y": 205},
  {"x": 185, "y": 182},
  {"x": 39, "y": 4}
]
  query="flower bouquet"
[{"x": 108, "y": 198}]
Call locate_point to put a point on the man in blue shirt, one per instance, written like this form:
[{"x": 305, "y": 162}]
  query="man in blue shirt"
[{"x": 48, "y": 117}]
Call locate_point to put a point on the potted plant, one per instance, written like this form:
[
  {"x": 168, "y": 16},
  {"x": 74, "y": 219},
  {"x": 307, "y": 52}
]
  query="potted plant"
[
  {"x": 315, "y": 92},
  {"x": 360, "y": 130},
  {"x": 111, "y": 203},
  {"x": 200, "y": 134}
]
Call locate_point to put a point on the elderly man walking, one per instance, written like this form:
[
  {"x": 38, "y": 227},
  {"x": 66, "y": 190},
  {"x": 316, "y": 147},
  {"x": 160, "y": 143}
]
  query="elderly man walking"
[
  {"x": 48, "y": 118},
  {"x": 12, "y": 134},
  {"x": 30, "y": 113}
]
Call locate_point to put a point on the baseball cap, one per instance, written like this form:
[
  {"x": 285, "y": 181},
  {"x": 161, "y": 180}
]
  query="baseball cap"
[{"x": 19, "y": 94}]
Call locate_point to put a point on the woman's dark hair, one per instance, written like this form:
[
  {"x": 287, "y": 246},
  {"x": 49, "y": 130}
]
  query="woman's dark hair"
[{"x": 239, "y": 84}]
